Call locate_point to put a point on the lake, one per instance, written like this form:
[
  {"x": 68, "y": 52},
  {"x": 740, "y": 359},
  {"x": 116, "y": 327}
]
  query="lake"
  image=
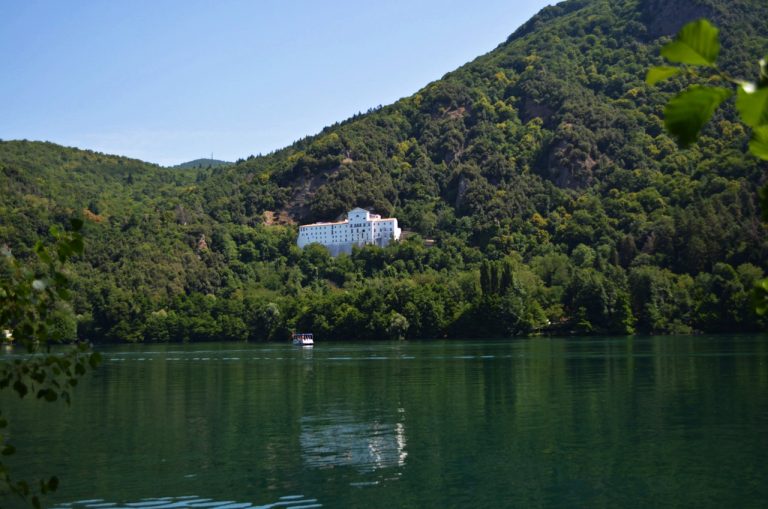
[{"x": 541, "y": 422}]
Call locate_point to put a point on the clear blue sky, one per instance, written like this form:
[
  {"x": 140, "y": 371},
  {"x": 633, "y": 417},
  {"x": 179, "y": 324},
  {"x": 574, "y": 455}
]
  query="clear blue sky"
[{"x": 168, "y": 81}]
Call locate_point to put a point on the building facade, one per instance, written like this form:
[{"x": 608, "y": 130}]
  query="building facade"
[{"x": 360, "y": 228}]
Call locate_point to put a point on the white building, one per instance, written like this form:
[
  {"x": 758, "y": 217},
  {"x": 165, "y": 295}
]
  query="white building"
[{"x": 360, "y": 228}]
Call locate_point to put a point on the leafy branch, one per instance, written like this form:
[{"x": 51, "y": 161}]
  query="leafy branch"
[
  {"x": 697, "y": 46},
  {"x": 32, "y": 306}
]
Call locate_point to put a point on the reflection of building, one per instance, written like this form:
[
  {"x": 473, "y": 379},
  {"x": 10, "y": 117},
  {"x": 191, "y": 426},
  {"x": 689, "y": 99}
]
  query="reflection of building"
[
  {"x": 360, "y": 228},
  {"x": 331, "y": 442}
]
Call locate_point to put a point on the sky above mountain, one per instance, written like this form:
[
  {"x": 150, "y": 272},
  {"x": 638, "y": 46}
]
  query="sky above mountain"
[{"x": 176, "y": 80}]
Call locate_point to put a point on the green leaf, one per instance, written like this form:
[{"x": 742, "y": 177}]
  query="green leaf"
[
  {"x": 94, "y": 360},
  {"x": 49, "y": 394},
  {"x": 8, "y": 450},
  {"x": 760, "y": 297},
  {"x": 753, "y": 107},
  {"x": 686, "y": 113},
  {"x": 660, "y": 73},
  {"x": 38, "y": 376},
  {"x": 20, "y": 388},
  {"x": 695, "y": 44},
  {"x": 758, "y": 145}
]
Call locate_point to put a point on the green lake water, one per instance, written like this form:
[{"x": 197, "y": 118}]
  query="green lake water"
[{"x": 575, "y": 422}]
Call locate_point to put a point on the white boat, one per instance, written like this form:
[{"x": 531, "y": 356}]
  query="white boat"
[{"x": 303, "y": 339}]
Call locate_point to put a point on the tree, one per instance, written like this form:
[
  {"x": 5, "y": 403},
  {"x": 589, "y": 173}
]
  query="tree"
[
  {"x": 697, "y": 47},
  {"x": 398, "y": 326},
  {"x": 33, "y": 312}
]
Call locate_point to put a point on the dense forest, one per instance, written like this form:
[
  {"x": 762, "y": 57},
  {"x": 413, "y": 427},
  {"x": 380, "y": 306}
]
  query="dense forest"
[{"x": 541, "y": 173}]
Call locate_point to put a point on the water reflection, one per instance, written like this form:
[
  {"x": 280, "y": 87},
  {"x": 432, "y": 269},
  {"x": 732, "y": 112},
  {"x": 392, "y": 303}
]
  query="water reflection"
[
  {"x": 307, "y": 353},
  {"x": 337, "y": 440},
  {"x": 190, "y": 501},
  {"x": 544, "y": 422}
]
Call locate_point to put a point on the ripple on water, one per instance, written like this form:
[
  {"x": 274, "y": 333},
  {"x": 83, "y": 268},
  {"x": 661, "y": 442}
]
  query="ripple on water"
[
  {"x": 338, "y": 440},
  {"x": 189, "y": 502}
]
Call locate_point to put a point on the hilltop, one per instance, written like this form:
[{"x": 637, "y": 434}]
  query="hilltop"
[
  {"x": 203, "y": 163},
  {"x": 542, "y": 171}
]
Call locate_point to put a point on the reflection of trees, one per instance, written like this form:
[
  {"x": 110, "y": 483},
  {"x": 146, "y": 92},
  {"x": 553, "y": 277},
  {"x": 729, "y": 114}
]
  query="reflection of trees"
[{"x": 568, "y": 422}]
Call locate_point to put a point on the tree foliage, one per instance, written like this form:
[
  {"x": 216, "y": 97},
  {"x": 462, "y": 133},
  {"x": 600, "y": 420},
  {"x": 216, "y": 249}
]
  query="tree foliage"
[
  {"x": 697, "y": 44},
  {"x": 34, "y": 313},
  {"x": 540, "y": 187}
]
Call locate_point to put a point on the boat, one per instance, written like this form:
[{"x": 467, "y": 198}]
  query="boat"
[{"x": 303, "y": 339}]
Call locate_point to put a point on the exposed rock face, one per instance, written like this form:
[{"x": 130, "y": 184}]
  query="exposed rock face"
[
  {"x": 570, "y": 167},
  {"x": 666, "y": 17},
  {"x": 182, "y": 217},
  {"x": 532, "y": 109}
]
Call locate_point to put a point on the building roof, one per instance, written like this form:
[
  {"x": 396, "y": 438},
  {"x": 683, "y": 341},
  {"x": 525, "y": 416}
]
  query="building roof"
[
  {"x": 324, "y": 224},
  {"x": 371, "y": 218}
]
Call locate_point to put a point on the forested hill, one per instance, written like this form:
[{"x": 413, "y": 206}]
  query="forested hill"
[
  {"x": 541, "y": 169},
  {"x": 202, "y": 163},
  {"x": 562, "y": 102}
]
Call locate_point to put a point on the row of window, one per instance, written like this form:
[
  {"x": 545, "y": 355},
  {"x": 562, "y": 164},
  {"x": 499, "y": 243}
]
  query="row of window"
[
  {"x": 375, "y": 229},
  {"x": 345, "y": 224},
  {"x": 352, "y": 230},
  {"x": 359, "y": 235}
]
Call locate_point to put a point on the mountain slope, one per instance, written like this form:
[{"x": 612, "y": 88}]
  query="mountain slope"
[
  {"x": 541, "y": 169},
  {"x": 557, "y": 111}
]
